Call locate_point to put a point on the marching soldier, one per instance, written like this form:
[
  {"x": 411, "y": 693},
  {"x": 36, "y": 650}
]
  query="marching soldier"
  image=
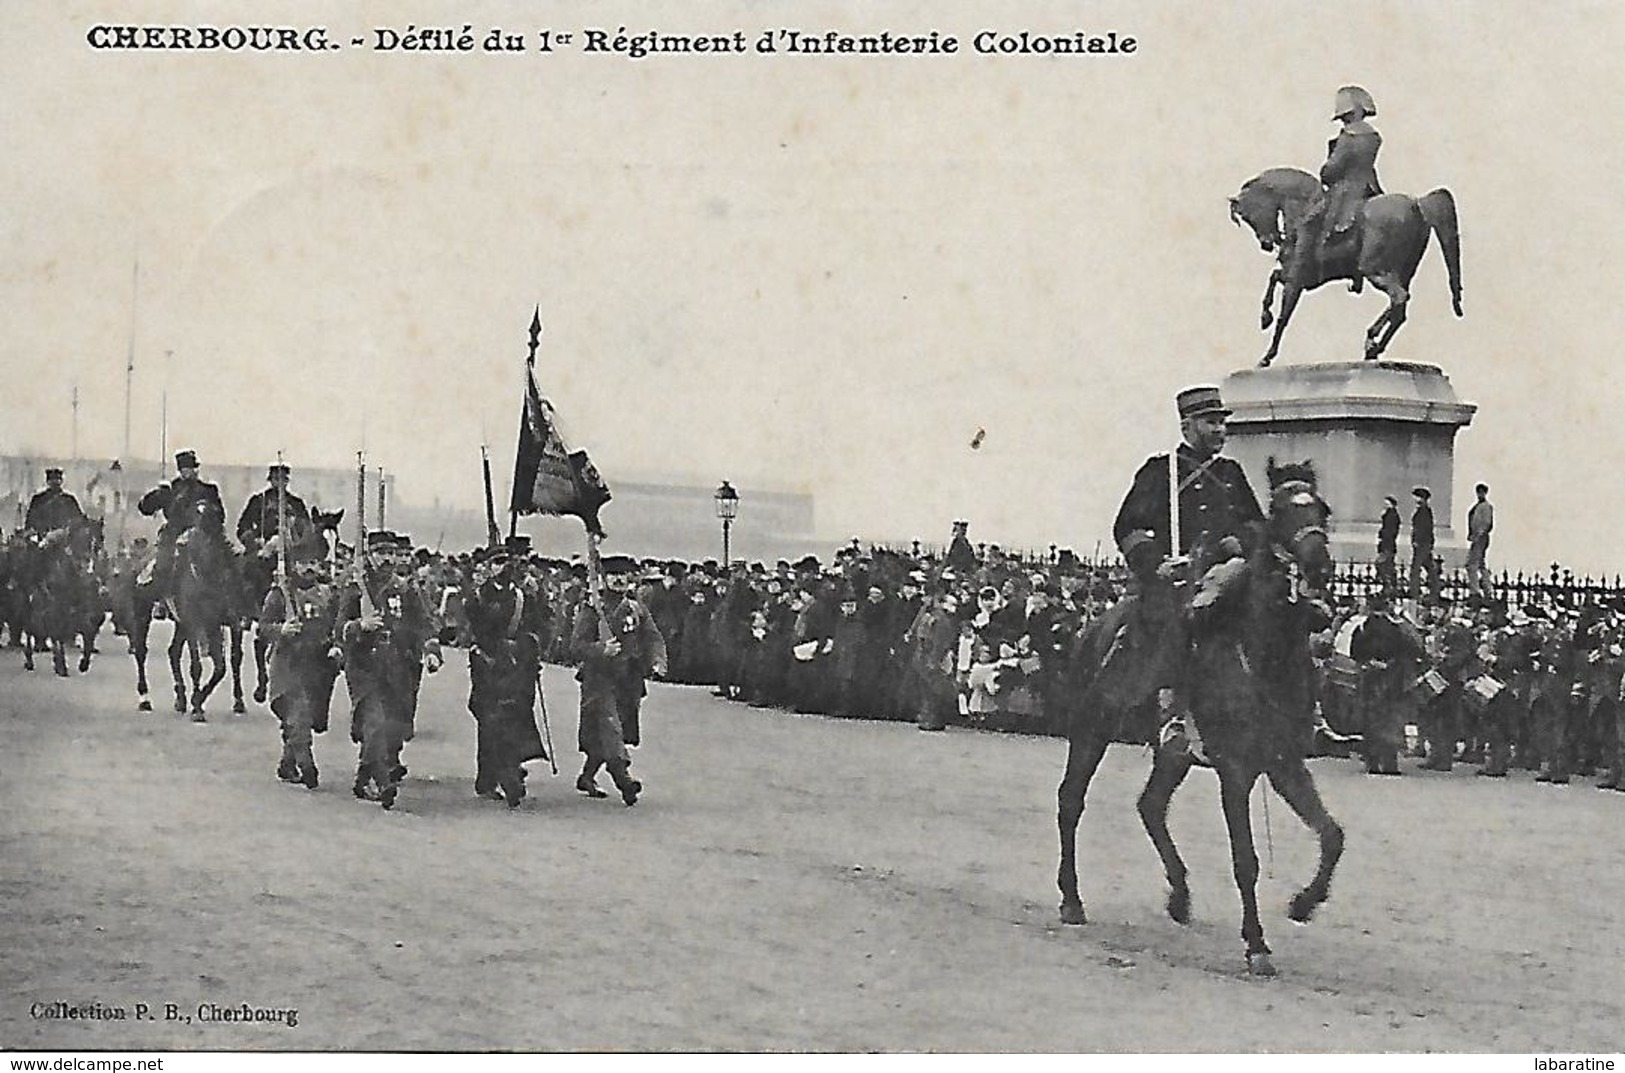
[
  {"x": 51, "y": 507},
  {"x": 616, "y": 652},
  {"x": 183, "y": 502},
  {"x": 300, "y": 618},
  {"x": 1216, "y": 507},
  {"x": 387, "y": 639},
  {"x": 504, "y": 664}
]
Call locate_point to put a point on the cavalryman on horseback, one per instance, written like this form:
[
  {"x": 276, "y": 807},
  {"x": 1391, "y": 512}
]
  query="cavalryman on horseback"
[
  {"x": 1218, "y": 518},
  {"x": 259, "y": 521},
  {"x": 52, "y": 507},
  {"x": 184, "y": 502}
]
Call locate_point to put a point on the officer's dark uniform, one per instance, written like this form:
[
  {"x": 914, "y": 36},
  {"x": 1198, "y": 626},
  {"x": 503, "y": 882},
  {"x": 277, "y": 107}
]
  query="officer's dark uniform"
[
  {"x": 1389, "y": 653},
  {"x": 259, "y": 521},
  {"x": 504, "y": 664},
  {"x": 383, "y": 668},
  {"x": 183, "y": 502},
  {"x": 302, "y": 672},
  {"x": 1216, "y": 504},
  {"x": 52, "y": 508}
]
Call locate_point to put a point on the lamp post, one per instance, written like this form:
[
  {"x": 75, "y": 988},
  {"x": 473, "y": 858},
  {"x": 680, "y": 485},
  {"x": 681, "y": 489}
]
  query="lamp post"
[{"x": 727, "y": 509}]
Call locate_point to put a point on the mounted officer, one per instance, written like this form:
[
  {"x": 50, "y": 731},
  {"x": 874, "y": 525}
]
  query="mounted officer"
[
  {"x": 1219, "y": 518},
  {"x": 51, "y": 507},
  {"x": 184, "y": 502},
  {"x": 259, "y": 521},
  {"x": 1330, "y": 233}
]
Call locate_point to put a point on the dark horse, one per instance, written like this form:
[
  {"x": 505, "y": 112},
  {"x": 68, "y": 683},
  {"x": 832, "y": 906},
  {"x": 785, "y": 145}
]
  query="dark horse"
[
  {"x": 1393, "y": 230},
  {"x": 206, "y": 595},
  {"x": 1250, "y": 684},
  {"x": 64, "y": 597}
]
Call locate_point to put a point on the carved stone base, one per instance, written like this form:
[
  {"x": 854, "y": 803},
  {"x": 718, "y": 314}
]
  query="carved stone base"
[{"x": 1373, "y": 429}]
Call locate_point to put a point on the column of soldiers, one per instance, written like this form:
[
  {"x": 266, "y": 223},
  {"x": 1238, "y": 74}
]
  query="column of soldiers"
[{"x": 987, "y": 639}]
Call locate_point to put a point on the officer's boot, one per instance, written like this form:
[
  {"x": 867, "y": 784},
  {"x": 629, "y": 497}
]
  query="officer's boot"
[
  {"x": 308, "y": 775},
  {"x": 629, "y": 787},
  {"x": 362, "y": 778},
  {"x": 586, "y": 782},
  {"x": 288, "y": 769}
]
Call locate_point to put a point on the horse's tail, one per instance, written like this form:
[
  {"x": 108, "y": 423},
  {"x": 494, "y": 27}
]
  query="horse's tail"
[{"x": 1439, "y": 210}]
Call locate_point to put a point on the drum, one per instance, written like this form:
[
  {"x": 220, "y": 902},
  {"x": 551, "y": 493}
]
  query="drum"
[
  {"x": 1433, "y": 683},
  {"x": 1482, "y": 690}
]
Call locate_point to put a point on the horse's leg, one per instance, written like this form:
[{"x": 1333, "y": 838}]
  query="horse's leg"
[
  {"x": 1383, "y": 328},
  {"x": 1290, "y": 294},
  {"x": 199, "y": 693},
  {"x": 59, "y": 652},
  {"x": 1169, "y": 766},
  {"x": 1086, "y": 744},
  {"x": 237, "y": 705},
  {"x": 1267, "y": 316},
  {"x": 1235, "y": 793},
  {"x": 217, "y": 669},
  {"x": 177, "y": 643},
  {"x": 1297, "y": 788},
  {"x": 140, "y": 629},
  {"x": 262, "y": 646}
]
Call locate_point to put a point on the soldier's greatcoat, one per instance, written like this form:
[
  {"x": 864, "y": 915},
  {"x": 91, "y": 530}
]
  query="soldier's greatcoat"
[{"x": 52, "y": 509}]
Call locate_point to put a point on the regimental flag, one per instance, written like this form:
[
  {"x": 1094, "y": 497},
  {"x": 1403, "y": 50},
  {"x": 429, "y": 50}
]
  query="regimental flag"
[{"x": 548, "y": 477}]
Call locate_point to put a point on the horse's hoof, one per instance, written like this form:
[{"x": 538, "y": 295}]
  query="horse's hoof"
[
  {"x": 144, "y": 706},
  {"x": 198, "y": 717},
  {"x": 180, "y": 706},
  {"x": 238, "y": 707},
  {"x": 1260, "y": 965},
  {"x": 1302, "y": 907},
  {"x": 84, "y": 666},
  {"x": 1179, "y": 905},
  {"x": 259, "y": 694},
  {"x": 1265, "y": 321},
  {"x": 1072, "y": 913}
]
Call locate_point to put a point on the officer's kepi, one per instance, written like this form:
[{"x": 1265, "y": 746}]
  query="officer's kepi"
[{"x": 1200, "y": 401}]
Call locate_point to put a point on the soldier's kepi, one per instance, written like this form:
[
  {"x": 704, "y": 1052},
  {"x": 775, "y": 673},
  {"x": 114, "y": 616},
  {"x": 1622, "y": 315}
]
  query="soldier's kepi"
[{"x": 1185, "y": 511}]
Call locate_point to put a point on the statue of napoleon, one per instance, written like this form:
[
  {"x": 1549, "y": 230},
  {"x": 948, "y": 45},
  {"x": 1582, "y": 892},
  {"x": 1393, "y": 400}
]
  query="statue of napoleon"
[{"x": 1342, "y": 226}]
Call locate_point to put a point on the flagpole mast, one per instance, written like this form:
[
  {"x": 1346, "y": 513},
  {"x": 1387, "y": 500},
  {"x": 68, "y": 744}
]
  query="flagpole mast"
[
  {"x": 530, "y": 368},
  {"x": 129, "y": 382}
]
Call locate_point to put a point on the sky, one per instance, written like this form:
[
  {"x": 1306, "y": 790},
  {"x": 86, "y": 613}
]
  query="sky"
[{"x": 798, "y": 272}]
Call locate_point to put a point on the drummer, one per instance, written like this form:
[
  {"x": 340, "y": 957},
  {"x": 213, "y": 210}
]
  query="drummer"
[{"x": 1440, "y": 717}]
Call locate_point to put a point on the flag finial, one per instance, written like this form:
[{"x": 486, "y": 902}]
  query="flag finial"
[{"x": 535, "y": 335}]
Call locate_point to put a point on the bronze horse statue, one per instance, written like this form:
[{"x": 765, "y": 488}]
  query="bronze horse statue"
[
  {"x": 1251, "y": 688},
  {"x": 1393, "y": 236}
]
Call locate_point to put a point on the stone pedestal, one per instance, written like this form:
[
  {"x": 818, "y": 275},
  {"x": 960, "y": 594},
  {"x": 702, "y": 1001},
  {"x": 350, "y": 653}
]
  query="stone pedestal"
[{"x": 1373, "y": 429}]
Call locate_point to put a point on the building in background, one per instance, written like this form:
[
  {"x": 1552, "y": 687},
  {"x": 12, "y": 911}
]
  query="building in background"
[
  {"x": 666, "y": 518},
  {"x": 108, "y": 490}
]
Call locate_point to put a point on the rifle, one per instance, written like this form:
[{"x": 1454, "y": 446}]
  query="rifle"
[
  {"x": 282, "y": 541},
  {"x": 359, "y": 563}
]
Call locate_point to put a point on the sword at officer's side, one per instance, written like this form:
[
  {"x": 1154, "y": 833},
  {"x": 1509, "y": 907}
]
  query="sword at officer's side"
[{"x": 547, "y": 731}]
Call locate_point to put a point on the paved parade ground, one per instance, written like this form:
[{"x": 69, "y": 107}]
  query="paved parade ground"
[{"x": 785, "y": 883}]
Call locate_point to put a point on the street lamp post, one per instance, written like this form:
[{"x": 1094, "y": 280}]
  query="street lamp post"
[{"x": 727, "y": 509}]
